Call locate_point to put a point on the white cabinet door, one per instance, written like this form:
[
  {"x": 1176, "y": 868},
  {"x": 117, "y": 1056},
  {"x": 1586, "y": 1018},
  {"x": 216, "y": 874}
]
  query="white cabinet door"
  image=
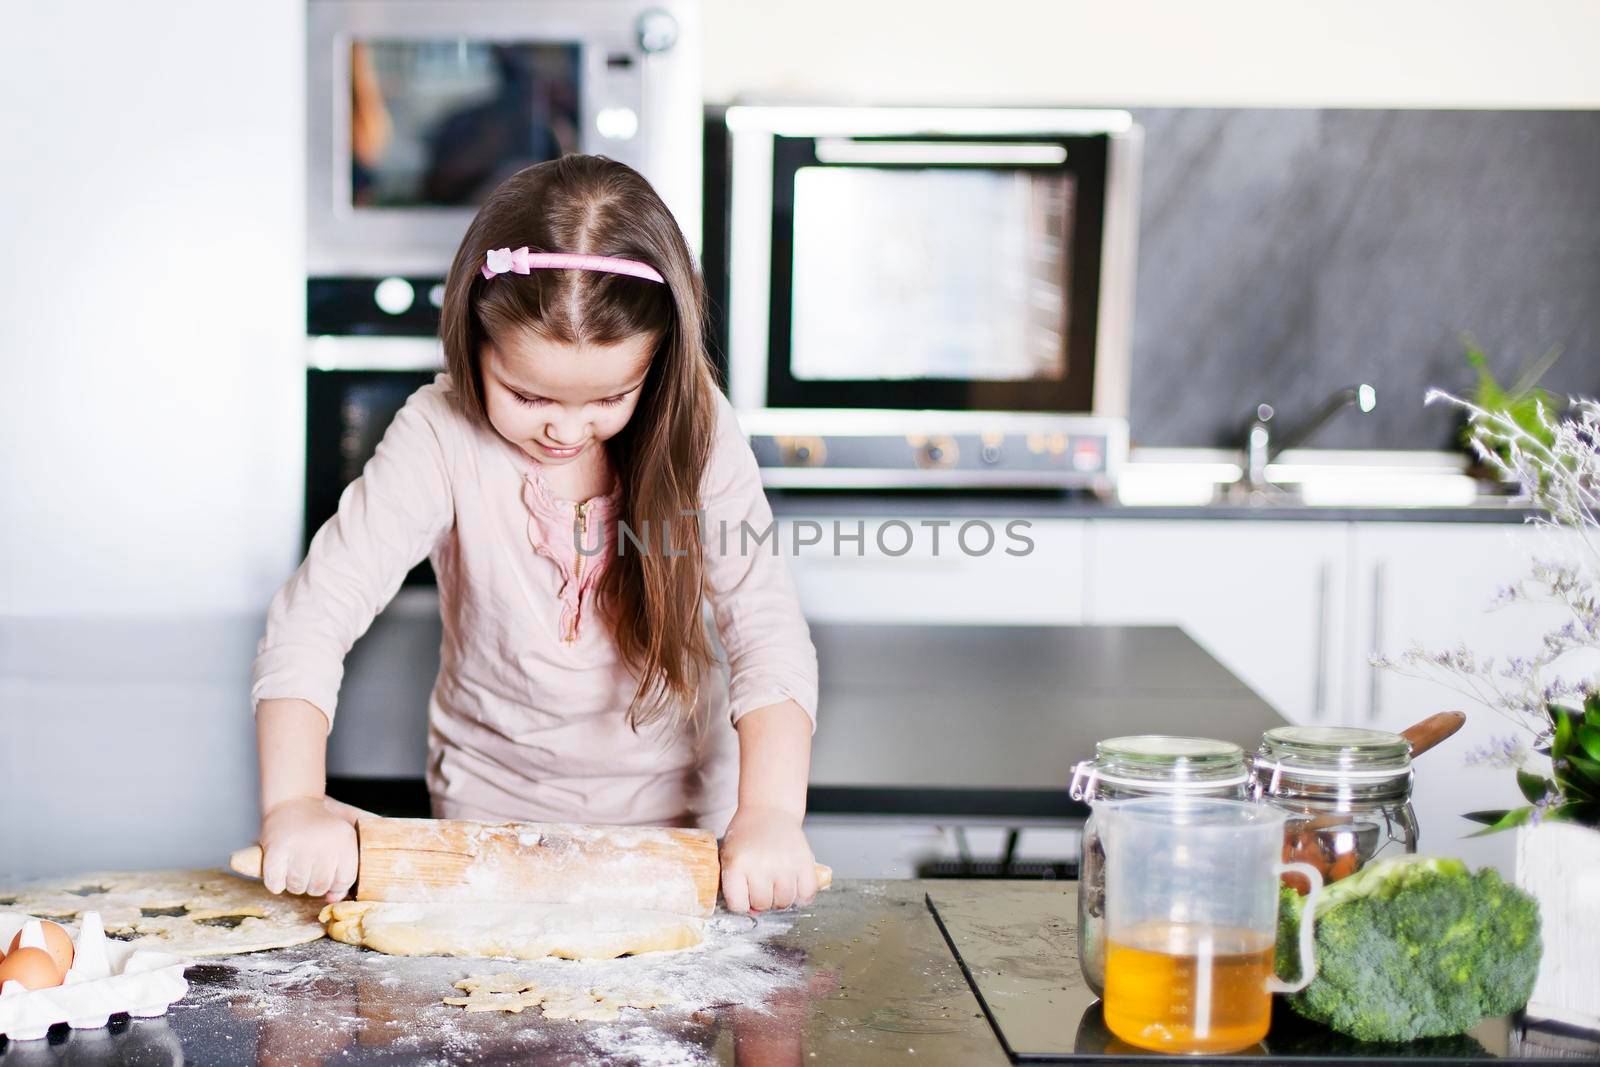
[
  {"x": 871, "y": 580},
  {"x": 1433, "y": 584},
  {"x": 1266, "y": 598}
]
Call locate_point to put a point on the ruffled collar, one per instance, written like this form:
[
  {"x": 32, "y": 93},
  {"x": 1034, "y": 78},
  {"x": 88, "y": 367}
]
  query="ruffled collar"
[
  {"x": 533, "y": 472},
  {"x": 556, "y": 526}
]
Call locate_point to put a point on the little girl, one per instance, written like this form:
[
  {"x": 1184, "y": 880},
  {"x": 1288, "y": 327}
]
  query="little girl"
[{"x": 578, "y": 679}]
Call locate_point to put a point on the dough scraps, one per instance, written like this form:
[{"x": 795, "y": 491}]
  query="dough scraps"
[
  {"x": 581, "y": 1006},
  {"x": 518, "y": 931},
  {"x": 186, "y": 913},
  {"x": 512, "y": 1002},
  {"x": 495, "y": 983},
  {"x": 513, "y": 993}
]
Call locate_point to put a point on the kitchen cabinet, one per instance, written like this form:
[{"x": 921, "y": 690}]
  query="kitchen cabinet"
[
  {"x": 937, "y": 581},
  {"x": 1266, "y": 598},
  {"x": 1433, "y": 584}
]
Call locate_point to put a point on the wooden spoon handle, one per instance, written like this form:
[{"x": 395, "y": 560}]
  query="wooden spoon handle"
[{"x": 1430, "y": 731}]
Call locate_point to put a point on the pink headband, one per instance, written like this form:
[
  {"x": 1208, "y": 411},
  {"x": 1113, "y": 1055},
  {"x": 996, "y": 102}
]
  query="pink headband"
[{"x": 521, "y": 261}]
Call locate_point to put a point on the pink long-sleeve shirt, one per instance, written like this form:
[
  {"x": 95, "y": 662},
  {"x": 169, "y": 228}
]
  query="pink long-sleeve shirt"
[{"x": 528, "y": 717}]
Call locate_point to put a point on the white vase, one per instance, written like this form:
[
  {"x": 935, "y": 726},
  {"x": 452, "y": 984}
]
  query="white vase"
[{"x": 1559, "y": 864}]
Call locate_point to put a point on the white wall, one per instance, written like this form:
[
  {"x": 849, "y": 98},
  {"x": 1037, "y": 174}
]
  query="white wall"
[
  {"x": 151, "y": 325},
  {"x": 1211, "y": 53},
  {"x": 151, "y": 306}
]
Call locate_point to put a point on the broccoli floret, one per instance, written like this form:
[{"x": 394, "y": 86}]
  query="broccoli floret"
[{"x": 1415, "y": 947}]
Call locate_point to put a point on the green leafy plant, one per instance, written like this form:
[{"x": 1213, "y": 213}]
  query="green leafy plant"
[
  {"x": 1414, "y": 947},
  {"x": 1571, "y": 792},
  {"x": 1520, "y": 403}
]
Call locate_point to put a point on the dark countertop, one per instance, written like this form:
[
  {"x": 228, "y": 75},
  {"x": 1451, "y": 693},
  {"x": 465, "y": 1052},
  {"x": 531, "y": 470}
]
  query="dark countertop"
[
  {"x": 989, "y": 720},
  {"x": 790, "y": 503},
  {"x": 864, "y": 976},
  {"x": 977, "y": 723}
]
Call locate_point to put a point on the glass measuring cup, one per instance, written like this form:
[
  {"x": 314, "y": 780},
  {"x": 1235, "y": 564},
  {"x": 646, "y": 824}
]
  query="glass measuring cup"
[{"x": 1191, "y": 921}]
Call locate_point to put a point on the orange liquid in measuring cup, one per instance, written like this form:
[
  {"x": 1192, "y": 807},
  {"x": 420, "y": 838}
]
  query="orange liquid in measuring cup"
[{"x": 1173, "y": 987}]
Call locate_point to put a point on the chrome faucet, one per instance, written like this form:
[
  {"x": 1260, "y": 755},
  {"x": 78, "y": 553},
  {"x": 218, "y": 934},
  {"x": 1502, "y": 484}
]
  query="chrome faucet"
[{"x": 1262, "y": 445}]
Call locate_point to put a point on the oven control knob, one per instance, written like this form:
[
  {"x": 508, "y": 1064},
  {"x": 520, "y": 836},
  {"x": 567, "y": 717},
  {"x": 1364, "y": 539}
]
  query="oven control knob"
[
  {"x": 657, "y": 30},
  {"x": 802, "y": 451},
  {"x": 938, "y": 452}
]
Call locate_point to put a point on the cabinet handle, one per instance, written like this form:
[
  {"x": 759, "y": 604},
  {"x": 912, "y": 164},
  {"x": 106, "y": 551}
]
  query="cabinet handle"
[
  {"x": 1374, "y": 678},
  {"x": 1319, "y": 680}
]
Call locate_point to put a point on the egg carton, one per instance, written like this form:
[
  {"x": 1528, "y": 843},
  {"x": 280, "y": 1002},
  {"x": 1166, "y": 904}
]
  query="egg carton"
[{"x": 106, "y": 978}]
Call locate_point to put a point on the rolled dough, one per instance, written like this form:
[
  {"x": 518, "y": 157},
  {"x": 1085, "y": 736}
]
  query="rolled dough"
[
  {"x": 184, "y": 912},
  {"x": 517, "y": 931}
]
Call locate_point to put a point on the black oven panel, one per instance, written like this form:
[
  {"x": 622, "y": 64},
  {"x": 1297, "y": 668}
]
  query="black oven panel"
[
  {"x": 347, "y": 413},
  {"x": 374, "y": 307}
]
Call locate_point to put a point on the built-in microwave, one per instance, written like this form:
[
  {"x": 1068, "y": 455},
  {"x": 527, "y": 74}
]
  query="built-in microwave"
[
  {"x": 925, "y": 296},
  {"x": 418, "y": 108}
]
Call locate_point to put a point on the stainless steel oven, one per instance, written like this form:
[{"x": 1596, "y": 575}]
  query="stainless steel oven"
[
  {"x": 418, "y": 108},
  {"x": 920, "y": 296}
]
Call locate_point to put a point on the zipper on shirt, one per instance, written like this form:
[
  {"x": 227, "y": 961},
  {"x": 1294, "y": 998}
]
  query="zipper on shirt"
[
  {"x": 583, "y": 540},
  {"x": 577, "y": 565}
]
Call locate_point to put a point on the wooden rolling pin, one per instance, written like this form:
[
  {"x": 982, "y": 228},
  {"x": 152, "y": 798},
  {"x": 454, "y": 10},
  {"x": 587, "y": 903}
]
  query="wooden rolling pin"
[
  {"x": 1430, "y": 731},
  {"x": 419, "y": 861}
]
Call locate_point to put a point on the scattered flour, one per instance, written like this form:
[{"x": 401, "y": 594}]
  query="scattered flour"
[
  {"x": 311, "y": 1002},
  {"x": 645, "y": 1046}
]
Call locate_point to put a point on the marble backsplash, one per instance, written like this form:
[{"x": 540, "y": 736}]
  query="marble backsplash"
[{"x": 1286, "y": 253}]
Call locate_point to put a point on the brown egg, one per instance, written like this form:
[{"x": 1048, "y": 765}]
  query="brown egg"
[
  {"x": 33, "y": 967},
  {"x": 57, "y": 942}
]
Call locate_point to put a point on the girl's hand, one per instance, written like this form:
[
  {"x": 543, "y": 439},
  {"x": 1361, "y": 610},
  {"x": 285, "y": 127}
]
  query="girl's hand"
[
  {"x": 766, "y": 861},
  {"x": 308, "y": 845}
]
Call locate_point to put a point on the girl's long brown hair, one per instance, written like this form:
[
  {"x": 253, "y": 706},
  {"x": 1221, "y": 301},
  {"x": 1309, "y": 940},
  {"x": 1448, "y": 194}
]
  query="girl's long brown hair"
[{"x": 594, "y": 205}]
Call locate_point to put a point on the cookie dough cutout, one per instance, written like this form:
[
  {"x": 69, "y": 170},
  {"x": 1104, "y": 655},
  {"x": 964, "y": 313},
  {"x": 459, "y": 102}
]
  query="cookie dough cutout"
[
  {"x": 581, "y": 1007},
  {"x": 184, "y": 912},
  {"x": 513, "y": 993},
  {"x": 644, "y": 1000},
  {"x": 601, "y": 1005},
  {"x": 517, "y": 931},
  {"x": 495, "y": 983},
  {"x": 497, "y": 992},
  {"x": 511, "y": 1002}
]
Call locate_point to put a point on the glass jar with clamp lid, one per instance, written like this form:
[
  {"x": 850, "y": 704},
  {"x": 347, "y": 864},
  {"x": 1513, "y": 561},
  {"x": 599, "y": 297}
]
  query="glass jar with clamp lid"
[{"x": 1141, "y": 766}]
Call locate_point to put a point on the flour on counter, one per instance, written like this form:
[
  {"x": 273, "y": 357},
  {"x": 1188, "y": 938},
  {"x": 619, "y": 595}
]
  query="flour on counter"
[
  {"x": 645, "y": 1046},
  {"x": 311, "y": 1002}
]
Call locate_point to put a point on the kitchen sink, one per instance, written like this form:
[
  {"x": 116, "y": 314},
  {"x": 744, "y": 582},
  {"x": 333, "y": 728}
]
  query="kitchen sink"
[{"x": 1304, "y": 478}]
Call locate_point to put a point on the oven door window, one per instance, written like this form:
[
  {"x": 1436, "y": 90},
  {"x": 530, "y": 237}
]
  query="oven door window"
[
  {"x": 968, "y": 283},
  {"x": 347, "y": 413},
  {"x": 440, "y": 123}
]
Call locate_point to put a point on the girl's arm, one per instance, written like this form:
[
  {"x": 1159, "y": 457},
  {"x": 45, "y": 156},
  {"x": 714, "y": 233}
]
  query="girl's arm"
[
  {"x": 308, "y": 842},
  {"x": 766, "y": 861},
  {"x": 772, "y": 683},
  {"x": 388, "y": 520}
]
